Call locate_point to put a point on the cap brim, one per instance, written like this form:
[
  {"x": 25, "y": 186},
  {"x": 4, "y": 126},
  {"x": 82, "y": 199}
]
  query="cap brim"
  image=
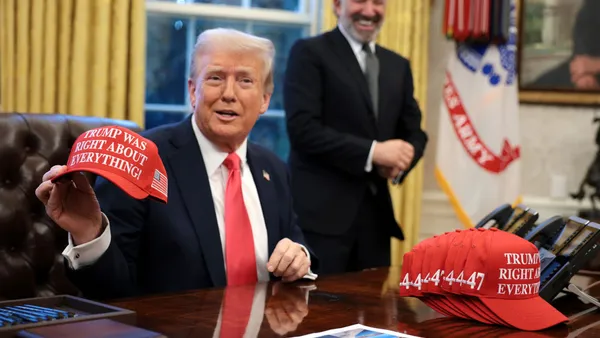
[
  {"x": 123, "y": 184},
  {"x": 477, "y": 305},
  {"x": 446, "y": 303},
  {"x": 531, "y": 314},
  {"x": 431, "y": 302},
  {"x": 464, "y": 304}
]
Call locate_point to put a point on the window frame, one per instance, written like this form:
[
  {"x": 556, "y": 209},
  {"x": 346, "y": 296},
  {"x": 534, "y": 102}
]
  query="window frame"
[{"x": 309, "y": 18}]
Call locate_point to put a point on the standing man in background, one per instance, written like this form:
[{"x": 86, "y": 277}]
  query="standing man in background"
[{"x": 353, "y": 123}]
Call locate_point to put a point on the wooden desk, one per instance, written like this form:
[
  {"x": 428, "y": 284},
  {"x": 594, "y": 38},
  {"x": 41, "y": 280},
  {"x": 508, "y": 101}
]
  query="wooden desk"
[{"x": 368, "y": 297}]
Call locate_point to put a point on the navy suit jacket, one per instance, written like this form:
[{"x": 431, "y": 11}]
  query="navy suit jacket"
[{"x": 159, "y": 248}]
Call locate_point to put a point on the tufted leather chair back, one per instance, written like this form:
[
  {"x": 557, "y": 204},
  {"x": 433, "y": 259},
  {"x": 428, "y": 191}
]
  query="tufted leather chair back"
[{"x": 31, "y": 245}]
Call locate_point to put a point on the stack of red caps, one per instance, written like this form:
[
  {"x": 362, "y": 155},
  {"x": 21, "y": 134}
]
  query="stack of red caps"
[{"x": 486, "y": 275}]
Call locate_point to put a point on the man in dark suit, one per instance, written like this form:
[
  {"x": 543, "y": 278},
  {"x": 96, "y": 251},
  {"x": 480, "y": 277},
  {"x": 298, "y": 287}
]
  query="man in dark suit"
[
  {"x": 229, "y": 218},
  {"x": 353, "y": 123}
]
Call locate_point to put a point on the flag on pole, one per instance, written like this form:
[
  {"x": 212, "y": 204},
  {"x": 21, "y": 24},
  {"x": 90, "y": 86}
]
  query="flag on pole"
[{"x": 477, "y": 160}]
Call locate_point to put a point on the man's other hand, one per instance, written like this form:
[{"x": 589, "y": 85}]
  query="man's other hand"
[
  {"x": 288, "y": 261},
  {"x": 393, "y": 154}
]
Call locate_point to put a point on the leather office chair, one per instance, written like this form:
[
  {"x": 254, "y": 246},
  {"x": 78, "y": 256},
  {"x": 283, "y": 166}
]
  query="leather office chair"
[{"x": 31, "y": 245}]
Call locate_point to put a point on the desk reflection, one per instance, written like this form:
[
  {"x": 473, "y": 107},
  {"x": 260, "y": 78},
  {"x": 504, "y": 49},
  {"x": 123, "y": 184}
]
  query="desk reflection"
[
  {"x": 244, "y": 311},
  {"x": 287, "y": 307},
  {"x": 367, "y": 297},
  {"x": 452, "y": 327}
]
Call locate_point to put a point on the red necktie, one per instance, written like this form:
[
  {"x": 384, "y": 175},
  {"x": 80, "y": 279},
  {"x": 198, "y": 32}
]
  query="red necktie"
[{"x": 240, "y": 259}]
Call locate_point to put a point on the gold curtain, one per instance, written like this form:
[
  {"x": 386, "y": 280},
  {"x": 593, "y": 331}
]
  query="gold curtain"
[
  {"x": 405, "y": 31},
  {"x": 76, "y": 57}
]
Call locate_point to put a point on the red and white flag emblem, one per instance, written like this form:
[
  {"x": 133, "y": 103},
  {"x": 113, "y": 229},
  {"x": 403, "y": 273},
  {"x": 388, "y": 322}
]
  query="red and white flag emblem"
[{"x": 160, "y": 183}]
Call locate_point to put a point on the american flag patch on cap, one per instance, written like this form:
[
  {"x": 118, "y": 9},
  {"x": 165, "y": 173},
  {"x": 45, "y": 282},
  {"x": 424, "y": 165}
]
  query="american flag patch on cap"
[{"x": 160, "y": 183}]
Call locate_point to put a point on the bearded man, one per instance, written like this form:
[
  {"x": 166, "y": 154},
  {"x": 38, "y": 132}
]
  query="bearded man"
[{"x": 353, "y": 123}]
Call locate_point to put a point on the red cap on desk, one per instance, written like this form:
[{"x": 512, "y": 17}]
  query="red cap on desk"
[
  {"x": 123, "y": 157},
  {"x": 503, "y": 272},
  {"x": 441, "y": 250},
  {"x": 455, "y": 277},
  {"x": 486, "y": 274}
]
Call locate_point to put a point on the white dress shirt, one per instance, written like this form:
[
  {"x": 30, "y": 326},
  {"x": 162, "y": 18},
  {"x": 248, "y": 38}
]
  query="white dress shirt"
[
  {"x": 88, "y": 253},
  {"x": 361, "y": 57}
]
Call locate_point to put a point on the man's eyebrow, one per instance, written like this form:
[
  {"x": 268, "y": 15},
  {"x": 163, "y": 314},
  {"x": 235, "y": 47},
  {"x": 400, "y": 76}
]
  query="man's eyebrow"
[
  {"x": 212, "y": 69},
  {"x": 244, "y": 69},
  {"x": 238, "y": 70}
]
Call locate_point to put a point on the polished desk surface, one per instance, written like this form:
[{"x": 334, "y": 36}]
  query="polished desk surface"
[{"x": 367, "y": 297}]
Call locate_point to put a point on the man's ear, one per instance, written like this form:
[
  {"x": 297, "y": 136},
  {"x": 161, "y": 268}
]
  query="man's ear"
[
  {"x": 265, "y": 104},
  {"x": 337, "y": 7},
  {"x": 192, "y": 92}
]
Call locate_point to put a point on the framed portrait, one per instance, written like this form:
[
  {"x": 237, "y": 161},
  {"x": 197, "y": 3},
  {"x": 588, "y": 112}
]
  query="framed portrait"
[{"x": 559, "y": 52}]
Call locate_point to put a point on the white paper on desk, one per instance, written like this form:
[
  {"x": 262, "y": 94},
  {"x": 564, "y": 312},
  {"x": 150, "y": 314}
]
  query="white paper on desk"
[{"x": 357, "y": 331}]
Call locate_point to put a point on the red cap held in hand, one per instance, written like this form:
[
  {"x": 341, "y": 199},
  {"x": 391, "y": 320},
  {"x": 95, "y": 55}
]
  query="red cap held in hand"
[{"x": 123, "y": 157}]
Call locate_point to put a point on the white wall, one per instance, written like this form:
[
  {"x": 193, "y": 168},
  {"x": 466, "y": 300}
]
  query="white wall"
[{"x": 555, "y": 140}]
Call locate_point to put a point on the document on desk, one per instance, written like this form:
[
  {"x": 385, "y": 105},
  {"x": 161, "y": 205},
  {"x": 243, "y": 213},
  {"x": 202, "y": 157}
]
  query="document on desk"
[{"x": 358, "y": 331}]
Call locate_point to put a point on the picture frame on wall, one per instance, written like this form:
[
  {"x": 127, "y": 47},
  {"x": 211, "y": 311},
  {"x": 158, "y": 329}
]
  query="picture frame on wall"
[{"x": 559, "y": 52}]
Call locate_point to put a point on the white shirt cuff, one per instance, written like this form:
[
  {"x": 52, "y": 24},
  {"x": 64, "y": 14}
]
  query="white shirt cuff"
[
  {"x": 88, "y": 253},
  {"x": 369, "y": 165},
  {"x": 310, "y": 275}
]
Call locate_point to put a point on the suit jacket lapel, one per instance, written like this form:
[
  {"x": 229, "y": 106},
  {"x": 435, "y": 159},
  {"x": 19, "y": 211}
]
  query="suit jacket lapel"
[
  {"x": 261, "y": 172},
  {"x": 348, "y": 58},
  {"x": 189, "y": 174}
]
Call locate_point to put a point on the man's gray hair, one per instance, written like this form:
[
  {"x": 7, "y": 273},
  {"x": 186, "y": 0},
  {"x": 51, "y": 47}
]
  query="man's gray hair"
[{"x": 236, "y": 41}]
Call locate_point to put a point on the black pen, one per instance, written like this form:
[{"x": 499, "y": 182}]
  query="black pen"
[{"x": 398, "y": 177}]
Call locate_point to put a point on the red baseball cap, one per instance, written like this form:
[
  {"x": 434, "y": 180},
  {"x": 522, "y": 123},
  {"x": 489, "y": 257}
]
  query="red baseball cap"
[
  {"x": 447, "y": 274},
  {"x": 123, "y": 157},
  {"x": 417, "y": 267},
  {"x": 472, "y": 304},
  {"x": 421, "y": 277},
  {"x": 455, "y": 278},
  {"x": 418, "y": 276},
  {"x": 503, "y": 271},
  {"x": 432, "y": 272}
]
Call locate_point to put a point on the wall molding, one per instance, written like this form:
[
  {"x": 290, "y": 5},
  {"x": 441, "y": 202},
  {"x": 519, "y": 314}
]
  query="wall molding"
[{"x": 437, "y": 215}]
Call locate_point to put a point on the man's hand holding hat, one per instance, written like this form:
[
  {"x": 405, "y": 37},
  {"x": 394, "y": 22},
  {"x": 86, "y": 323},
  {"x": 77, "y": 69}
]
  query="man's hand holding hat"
[
  {"x": 123, "y": 157},
  {"x": 72, "y": 204}
]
